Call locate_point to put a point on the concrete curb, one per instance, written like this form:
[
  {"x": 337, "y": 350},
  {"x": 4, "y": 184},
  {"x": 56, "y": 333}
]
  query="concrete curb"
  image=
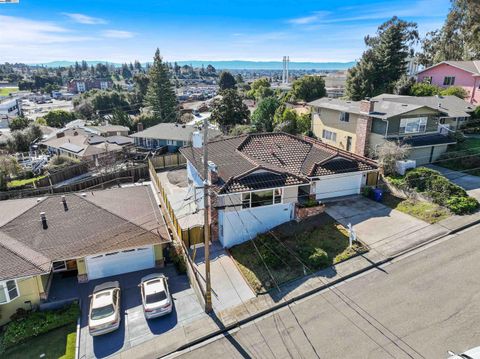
[{"x": 313, "y": 291}]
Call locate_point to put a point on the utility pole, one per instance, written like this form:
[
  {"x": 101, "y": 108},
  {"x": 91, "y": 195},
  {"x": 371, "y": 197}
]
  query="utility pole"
[{"x": 206, "y": 227}]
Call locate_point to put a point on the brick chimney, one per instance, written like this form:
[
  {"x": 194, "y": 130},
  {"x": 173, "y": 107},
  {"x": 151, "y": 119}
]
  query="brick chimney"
[
  {"x": 139, "y": 126},
  {"x": 366, "y": 106}
]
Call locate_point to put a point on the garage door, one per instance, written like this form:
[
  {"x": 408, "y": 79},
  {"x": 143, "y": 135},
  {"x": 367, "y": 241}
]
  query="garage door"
[
  {"x": 114, "y": 263},
  {"x": 338, "y": 186}
]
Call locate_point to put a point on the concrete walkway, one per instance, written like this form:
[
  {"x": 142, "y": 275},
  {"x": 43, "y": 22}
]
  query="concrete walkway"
[
  {"x": 228, "y": 285},
  {"x": 383, "y": 229},
  {"x": 468, "y": 182}
]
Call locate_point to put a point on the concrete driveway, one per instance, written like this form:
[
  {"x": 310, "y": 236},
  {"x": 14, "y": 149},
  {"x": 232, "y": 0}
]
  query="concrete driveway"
[
  {"x": 383, "y": 229},
  {"x": 134, "y": 328},
  {"x": 469, "y": 183}
]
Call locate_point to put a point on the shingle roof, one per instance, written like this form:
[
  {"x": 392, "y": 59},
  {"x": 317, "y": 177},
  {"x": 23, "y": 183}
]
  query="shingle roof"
[
  {"x": 103, "y": 221},
  {"x": 267, "y": 160},
  {"x": 469, "y": 66},
  {"x": 173, "y": 131}
]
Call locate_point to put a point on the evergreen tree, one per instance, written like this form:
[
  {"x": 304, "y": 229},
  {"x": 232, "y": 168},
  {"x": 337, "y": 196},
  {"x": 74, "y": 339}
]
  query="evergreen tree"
[
  {"x": 384, "y": 62},
  {"x": 226, "y": 81},
  {"x": 264, "y": 114},
  {"x": 160, "y": 93}
]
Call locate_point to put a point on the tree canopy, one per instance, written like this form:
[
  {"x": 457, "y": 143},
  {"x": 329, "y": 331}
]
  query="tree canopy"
[
  {"x": 226, "y": 81},
  {"x": 384, "y": 61},
  {"x": 58, "y": 118},
  {"x": 308, "y": 88},
  {"x": 262, "y": 117},
  {"x": 229, "y": 110},
  {"x": 160, "y": 94}
]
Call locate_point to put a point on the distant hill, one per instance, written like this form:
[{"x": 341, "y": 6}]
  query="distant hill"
[{"x": 235, "y": 64}]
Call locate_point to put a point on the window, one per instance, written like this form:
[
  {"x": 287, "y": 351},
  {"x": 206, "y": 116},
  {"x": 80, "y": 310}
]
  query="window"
[
  {"x": 413, "y": 125},
  {"x": 8, "y": 291},
  {"x": 449, "y": 80},
  {"x": 427, "y": 79},
  {"x": 344, "y": 116},
  {"x": 171, "y": 142},
  {"x": 261, "y": 198},
  {"x": 329, "y": 135},
  {"x": 59, "y": 266}
]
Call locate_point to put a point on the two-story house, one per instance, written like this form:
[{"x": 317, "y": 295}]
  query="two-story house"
[
  {"x": 362, "y": 126},
  {"x": 259, "y": 180},
  {"x": 465, "y": 74}
]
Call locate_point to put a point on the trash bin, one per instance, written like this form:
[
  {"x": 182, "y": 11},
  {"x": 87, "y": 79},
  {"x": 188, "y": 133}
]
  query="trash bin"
[{"x": 378, "y": 194}]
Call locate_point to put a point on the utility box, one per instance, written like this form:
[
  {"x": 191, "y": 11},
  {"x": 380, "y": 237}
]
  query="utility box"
[{"x": 402, "y": 166}]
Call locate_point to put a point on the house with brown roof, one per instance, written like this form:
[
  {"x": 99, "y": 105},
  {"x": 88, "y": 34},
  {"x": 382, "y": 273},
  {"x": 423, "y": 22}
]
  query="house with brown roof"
[
  {"x": 90, "y": 236},
  {"x": 259, "y": 180}
]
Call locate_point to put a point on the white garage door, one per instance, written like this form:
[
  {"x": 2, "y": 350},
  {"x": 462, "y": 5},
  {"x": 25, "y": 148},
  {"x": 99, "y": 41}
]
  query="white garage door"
[
  {"x": 342, "y": 185},
  {"x": 108, "y": 264}
]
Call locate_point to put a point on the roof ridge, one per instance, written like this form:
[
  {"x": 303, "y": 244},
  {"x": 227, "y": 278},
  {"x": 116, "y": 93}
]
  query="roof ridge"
[
  {"x": 20, "y": 249},
  {"x": 28, "y": 209}
]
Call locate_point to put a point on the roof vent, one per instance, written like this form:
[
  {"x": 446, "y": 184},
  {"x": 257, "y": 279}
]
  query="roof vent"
[
  {"x": 404, "y": 105},
  {"x": 64, "y": 201},
  {"x": 39, "y": 200},
  {"x": 43, "y": 218},
  {"x": 84, "y": 195}
]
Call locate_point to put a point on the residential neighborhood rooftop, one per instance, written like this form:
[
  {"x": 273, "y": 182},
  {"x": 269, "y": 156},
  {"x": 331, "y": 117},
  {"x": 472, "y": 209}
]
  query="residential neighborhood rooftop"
[
  {"x": 470, "y": 66},
  {"x": 173, "y": 131},
  {"x": 279, "y": 159},
  {"x": 96, "y": 222}
]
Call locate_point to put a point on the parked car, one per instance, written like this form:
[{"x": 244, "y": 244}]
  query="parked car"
[
  {"x": 473, "y": 353},
  {"x": 156, "y": 297},
  {"x": 104, "y": 316}
]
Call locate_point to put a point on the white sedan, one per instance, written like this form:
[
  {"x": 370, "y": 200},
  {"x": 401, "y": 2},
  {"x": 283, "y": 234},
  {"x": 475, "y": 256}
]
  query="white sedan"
[
  {"x": 473, "y": 353},
  {"x": 156, "y": 297},
  {"x": 104, "y": 315}
]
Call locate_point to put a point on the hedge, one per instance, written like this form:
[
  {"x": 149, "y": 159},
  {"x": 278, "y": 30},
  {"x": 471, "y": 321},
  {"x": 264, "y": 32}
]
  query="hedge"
[
  {"x": 440, "y": 190},
  {"x": 37, "y": 323}
]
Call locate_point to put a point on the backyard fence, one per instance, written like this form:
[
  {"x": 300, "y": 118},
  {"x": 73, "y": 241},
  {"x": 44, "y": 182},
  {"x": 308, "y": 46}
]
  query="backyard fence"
[
  {"x": 168, "y": 160},
  {"x": 62, "y": 175},
  {"x": 183, "y": 237},
  {"x": 127, "y": 175}
]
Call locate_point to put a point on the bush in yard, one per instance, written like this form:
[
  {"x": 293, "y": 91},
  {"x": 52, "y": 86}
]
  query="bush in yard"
[
  {"x": 38, "y": 323},
  {"x": 318, "y": 259},
  {"x": 462, "y": 205},
  {"x": 389, "y": 153}
]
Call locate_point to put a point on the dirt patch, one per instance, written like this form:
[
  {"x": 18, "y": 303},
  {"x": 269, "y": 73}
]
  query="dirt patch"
[{"x": 178, "y": 178}]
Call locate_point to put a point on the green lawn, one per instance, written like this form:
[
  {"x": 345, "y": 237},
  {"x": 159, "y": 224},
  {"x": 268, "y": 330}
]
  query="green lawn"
[
  {"x": 464, "y": 156},
  {"x": 53, "y": 344},
  {"x": 5, "y": 91},
  {"x": 295, "y": 249},
  {"x": 23, "y": 182},
  {"x": 426, "y": 211}
]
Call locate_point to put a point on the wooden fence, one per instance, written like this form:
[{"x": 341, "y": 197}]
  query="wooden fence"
[
  {"x": 63, "y": 175},
  {"x": 128, "y": 175},
  {"x": 168, "y": 160},
  {"x": 190, "y": 236},
  {"x": 180, "y": 236}
]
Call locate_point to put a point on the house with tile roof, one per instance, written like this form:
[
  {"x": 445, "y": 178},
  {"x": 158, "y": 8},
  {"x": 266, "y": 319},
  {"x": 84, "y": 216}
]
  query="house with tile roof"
[
  {"x": 90, "y": 236},
  {"x": 465, "y": 74},
  {"x": 259, "y": 180},
  {"x": 361, "y": 127}
]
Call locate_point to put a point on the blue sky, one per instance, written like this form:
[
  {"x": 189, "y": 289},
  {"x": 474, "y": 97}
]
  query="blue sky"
[{"x": 112, "y": 30}]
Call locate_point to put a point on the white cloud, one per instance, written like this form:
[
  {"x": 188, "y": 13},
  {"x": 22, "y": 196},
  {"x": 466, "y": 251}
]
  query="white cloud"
[
  {"x": 85, "y": 19},
  {"x": 314, "y": 17},
  {"x": 118, "y": 34}
]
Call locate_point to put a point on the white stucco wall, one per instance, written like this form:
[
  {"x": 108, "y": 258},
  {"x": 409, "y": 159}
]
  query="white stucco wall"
[
  {"x": 195, "y": 181},
  {"x": 239, "y": 226}
]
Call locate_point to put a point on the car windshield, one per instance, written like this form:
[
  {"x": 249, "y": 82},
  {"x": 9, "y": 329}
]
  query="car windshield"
[
  {"x": 102, "y": 312},
  {"x": 155, "y": 297}
]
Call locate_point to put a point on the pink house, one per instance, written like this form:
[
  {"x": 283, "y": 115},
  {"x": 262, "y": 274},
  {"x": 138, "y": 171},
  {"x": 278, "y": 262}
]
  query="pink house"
[{"x": 464, "y": 74}]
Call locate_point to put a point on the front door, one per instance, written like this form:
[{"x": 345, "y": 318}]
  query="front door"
[{"x": 349, "y": 144}]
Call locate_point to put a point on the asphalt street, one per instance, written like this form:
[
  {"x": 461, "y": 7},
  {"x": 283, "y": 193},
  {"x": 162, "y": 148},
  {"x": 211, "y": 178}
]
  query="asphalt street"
[{"x": 417, "y": 307}]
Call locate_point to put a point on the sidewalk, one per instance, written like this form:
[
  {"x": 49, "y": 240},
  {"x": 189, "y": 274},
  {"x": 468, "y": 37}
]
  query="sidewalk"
[{"x": 222, "y": 320}]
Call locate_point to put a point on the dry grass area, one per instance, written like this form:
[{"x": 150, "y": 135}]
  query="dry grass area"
[{"x": 293, "y": 250}]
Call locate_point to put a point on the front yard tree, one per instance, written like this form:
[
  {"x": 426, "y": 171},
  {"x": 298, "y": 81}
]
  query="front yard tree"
[
  {"x": 308, "y": 88},
  {"x": 18, "y": 123},
  {"x": 229, "y": 111},
  {"x": 160, "y": 94},
  {"x": 384, "y": 61},
  {"x": 226, "y": 81}
]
